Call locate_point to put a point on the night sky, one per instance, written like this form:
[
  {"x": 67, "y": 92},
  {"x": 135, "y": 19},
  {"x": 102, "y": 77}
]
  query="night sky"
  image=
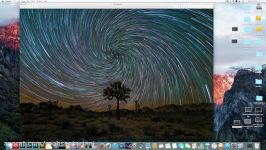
[{"x": 164, "y": 56}]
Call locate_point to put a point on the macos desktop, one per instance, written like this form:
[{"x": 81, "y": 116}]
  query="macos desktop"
[{"x": 132, "y": 75}]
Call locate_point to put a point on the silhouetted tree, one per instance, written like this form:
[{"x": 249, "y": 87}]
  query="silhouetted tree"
[
  {"x": 119, "y": 91},
  {"x": 109, "y": 108},
  {"x": 137, "y": 105}
]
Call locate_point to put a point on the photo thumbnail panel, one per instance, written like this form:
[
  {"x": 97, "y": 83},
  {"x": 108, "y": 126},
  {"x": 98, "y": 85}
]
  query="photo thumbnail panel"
[{"x": 116, "y": 74}]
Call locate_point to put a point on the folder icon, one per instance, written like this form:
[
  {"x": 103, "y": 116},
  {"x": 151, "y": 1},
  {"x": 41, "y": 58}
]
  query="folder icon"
[
  {"x": 258, "y": 67},
  {"x": 259, "y": 54},
  {"x": 247, "y": 7},
  {"x": 247, "y": 29},
  {"x": 258, "y": 81},
  {"x": 258, "y": 41},
  {"x": 258, "y": 18},
  {"x": 259, "y": 28},
  {"x": 259, "y": 98},
  {"x": 246, "y": 42},
  {"x": 247, "y": 19}
]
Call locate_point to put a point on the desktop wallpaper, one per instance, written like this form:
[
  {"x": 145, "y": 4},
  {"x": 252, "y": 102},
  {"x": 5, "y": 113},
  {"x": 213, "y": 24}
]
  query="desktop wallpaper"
[
  {"x": 116, "y": 74},
  {"x": 237, "y": 68},
  {"x": 9, "y": 73}
]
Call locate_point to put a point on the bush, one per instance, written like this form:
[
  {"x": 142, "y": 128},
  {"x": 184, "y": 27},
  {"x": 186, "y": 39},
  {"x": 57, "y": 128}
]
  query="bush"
[
  {"x": 104, "y": 131},
  {"x": 64, "y": 123},
  {"x": 155, "y": 119},
  {"x": 91, "y": 131},
  {"x": 149, "y": 131},
  {"x": 114, "y": 128},
  {"x": 166, "y": 133},
  {"x": 84, "y": 124}
]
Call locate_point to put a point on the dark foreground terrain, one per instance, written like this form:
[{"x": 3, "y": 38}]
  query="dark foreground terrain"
[{"x": 47, "y": 121}]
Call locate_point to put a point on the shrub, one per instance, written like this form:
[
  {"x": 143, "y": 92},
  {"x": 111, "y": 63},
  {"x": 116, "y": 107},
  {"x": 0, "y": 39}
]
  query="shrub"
[
  {"x": 91, "y": 131},
  {"x": 84, "y": 124},
  {"x": 155, "y": 119},
  {"x": 114, "y": 128},
  {"x": 64, "y": 123},
  {"x": 149, "y": 131}
]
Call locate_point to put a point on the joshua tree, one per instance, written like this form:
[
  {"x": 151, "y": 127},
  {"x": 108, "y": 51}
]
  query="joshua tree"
[
  {"x": 137, "y": 105},
  {"x": 119, "y": 91},
  {"x": 109, "y": 108}
]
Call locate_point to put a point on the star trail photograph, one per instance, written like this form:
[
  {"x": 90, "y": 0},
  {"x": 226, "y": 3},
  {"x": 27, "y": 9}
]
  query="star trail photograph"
[{"x": 116, "y": 74}]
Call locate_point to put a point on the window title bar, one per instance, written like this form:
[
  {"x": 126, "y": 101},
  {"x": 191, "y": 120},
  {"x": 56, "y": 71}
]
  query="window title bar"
[
  {"x": 115, "y": 5},
  {"x": 131, "y": 1}
]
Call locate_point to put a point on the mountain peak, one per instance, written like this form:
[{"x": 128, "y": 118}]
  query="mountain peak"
[
  {"x": 222, "y": 83},
  {"x": 9, "y": 36}
]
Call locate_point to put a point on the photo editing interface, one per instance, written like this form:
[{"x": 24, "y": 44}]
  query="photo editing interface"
[{"x": 133, "y": 75}]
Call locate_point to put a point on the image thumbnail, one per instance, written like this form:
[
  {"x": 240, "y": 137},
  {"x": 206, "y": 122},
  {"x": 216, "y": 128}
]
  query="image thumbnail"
[
  {"x": 116, "y": 74},
  {"x": 9, "y": 72}
]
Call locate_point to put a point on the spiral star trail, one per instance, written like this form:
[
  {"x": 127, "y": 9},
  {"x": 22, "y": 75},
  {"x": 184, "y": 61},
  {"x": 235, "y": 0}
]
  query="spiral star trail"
[{"x": 164, "y": 56}]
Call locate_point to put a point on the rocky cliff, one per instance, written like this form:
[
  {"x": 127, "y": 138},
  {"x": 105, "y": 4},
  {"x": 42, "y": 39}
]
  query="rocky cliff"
[
  {"x": 242, "y": 94},
  {"x": 9, "y": 94},
  {"x": 9, "y": 36}
]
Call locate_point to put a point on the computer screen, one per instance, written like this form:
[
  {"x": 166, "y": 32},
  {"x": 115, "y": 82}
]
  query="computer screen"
[{"x": 132, "y": 75}]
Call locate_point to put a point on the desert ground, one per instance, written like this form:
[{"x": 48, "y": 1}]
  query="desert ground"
[{"x": 47, "y": 121}]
